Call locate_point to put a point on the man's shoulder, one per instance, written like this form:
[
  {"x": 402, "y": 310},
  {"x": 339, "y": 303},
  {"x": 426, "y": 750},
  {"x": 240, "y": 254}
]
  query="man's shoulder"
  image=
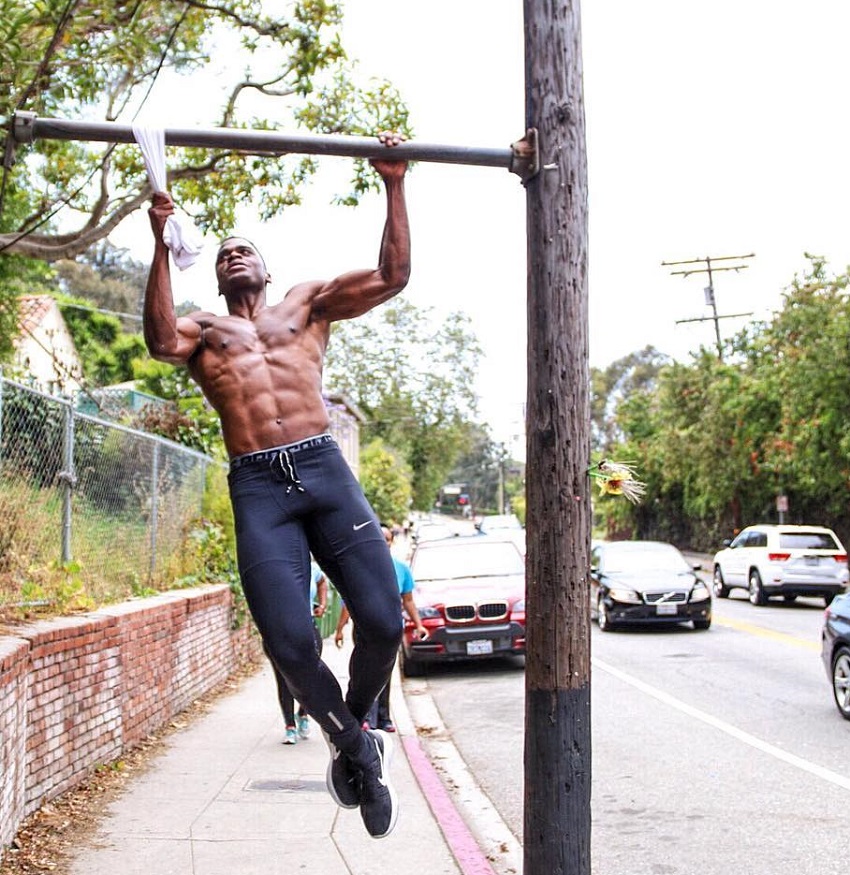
[{"x": 304, "y": 289}]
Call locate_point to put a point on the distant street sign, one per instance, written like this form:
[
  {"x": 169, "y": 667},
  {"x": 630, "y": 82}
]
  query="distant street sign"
[{"x": 782, "y": 503}]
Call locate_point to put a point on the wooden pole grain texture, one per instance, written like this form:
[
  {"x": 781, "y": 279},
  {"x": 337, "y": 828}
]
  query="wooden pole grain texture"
[{"x": 557, "y": 687}]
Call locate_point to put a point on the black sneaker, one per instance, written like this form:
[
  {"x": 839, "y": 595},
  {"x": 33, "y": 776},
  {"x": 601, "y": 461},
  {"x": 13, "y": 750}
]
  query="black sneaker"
[
  {"x": 378, "y": 799},
  {"x": 342, "y": 779}
]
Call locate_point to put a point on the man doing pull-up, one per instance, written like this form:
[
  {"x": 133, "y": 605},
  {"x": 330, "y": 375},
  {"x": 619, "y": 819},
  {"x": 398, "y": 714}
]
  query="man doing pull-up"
[{"x": 292, "y": 491}]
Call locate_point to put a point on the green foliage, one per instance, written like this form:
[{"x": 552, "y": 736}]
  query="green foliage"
[
  {"x": 107, "y": 354},
  {"x": 486, "y": 467},
  {"x": 188, "y": 418},
  {"x": 59, "y": 585},
  {"x": 101, "y": 59},
  {"x": 717, "y": 441},
  {"x": 633, "y": 374},
  {"x": 107, "y": 278},
  {"x": 414, "y": 382},
  {"x": 209, "y": 557},
  {"x": 385, "y": 478}
]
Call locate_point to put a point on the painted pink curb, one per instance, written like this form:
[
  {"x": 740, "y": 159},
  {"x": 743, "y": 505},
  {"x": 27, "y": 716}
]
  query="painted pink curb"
[{"x": 463, "y": 846}]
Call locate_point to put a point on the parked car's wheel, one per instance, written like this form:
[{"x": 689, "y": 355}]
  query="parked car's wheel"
[
  {"x": 702, "y": 625},
  {"x": 757, "y": 595},
  {"x": 790, "y": 598},
  {"x": 605, "y": 624},
  {"x": 410, "y": 668},
  {"x": 827, "y": 599},
  {"x": 719, "y": 586},
  {"x": 841, "y": 681}
]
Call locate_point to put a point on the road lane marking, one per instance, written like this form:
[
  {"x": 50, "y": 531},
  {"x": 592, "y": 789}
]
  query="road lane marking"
[
  {"x": 762, "y": 632},
  {"x": 739, "y": 734}
]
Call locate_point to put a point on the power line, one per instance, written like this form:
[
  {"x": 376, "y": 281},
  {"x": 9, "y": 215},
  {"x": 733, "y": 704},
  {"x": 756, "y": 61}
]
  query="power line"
[{"x": 710, "y": 297}]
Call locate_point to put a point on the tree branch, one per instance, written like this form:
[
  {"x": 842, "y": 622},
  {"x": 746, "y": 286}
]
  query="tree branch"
[
  {"x": 272, "y": 29},
  {"x": 262, "y": 87},
  {"x": 61, "y": 27}
]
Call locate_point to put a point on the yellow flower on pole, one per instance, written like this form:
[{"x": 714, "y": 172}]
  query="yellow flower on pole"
[{"x": 618, "y": 478}]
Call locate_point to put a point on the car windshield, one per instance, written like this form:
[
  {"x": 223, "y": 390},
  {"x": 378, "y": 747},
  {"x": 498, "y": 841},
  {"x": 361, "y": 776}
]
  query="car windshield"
[
  {"x": 484, "y": 559},
  {"x": 807, "y": 541},
  {"x": 643, "y": 557},
  {"x": 506, "y": 521}
]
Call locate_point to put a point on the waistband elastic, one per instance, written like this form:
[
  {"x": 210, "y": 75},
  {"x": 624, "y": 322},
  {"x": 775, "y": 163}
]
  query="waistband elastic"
[{"x": 273, "y": 452}]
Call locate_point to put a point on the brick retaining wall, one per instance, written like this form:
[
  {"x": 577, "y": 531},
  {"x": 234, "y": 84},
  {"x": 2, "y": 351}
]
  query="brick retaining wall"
[{"x": 75, "y": 692}]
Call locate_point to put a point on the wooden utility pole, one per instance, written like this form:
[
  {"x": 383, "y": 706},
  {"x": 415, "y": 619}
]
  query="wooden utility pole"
[{"x": 557, "y": 686}]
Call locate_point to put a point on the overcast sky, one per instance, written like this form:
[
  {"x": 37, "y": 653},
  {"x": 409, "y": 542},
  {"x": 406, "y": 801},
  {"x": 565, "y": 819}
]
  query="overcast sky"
[{"x": 714, "y": 128}]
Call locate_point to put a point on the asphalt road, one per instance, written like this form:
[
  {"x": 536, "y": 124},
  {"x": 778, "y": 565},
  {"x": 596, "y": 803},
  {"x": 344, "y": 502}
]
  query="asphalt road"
[{"x": 713, "y": 752}]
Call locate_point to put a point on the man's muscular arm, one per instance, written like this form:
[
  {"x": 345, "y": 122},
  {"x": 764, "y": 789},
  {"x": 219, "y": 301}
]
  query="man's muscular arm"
[
  {"x": 357, "y": 292},
  {"x": 168, "y": 338}
]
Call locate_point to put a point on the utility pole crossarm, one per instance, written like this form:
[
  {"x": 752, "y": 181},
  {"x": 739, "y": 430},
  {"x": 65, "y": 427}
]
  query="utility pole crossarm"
[
  {"x": 710, "y": 268},
  {"x": 520, "y": 158}
]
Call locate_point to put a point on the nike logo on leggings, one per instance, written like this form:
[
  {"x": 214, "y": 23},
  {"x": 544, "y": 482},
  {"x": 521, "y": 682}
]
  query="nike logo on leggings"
[{"x": 359, "y": 526}]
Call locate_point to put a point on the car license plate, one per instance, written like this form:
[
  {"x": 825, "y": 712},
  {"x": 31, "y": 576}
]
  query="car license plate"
[
  {"x": 665, "y": 608},
  {"x": 812, "y": 560},
  {"x": 479, "y": 648}
]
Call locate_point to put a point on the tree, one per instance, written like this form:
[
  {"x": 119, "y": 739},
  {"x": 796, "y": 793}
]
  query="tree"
[
  {"x": 108, "y": 279},
  {"x": 385, "y": 478},
  {"x": 108, "y": 355},
  {"x": 636, "y": 372},
  {"x": 487, "y": 468},
  {"x": 188, "y": 418},
  {"x": 99, "y": 59},
  {"x": 414, "y": 381},
  {"x": 716, "y": 442}
]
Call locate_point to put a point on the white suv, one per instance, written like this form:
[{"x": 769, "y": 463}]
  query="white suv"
[{"x": 782, "y": 560}]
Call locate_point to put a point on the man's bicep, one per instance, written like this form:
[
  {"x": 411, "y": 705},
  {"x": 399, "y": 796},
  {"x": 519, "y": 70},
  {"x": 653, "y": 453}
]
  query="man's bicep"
[
  {"x": 186, "y": 342},
  {"x": 350, "y": 295}
]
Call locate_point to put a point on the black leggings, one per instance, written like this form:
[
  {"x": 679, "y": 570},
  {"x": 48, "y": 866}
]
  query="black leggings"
[
  {"x": 291, "y": 502},
  {"x": 284, "y": 694}
]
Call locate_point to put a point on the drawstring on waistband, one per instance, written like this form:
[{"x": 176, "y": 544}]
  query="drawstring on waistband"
[{"x": 288, "y": 472}]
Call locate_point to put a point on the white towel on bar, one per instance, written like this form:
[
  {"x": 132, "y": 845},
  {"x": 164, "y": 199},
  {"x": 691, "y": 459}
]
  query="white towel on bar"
[{"x": 180, "y": 234}]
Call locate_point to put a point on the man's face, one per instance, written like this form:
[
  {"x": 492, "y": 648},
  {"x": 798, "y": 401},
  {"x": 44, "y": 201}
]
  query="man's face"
[{"x": 239, "y": 265}]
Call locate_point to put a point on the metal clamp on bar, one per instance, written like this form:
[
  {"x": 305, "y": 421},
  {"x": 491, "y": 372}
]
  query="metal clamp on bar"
[
  {"x": 521, "y": 158},
  {"x": 23, "y": 124},
  {"x": 525, "y": 156}
]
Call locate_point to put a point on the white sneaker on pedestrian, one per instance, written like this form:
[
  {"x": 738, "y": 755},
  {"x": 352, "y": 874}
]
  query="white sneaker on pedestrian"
[{"x": 304, "y": 727}]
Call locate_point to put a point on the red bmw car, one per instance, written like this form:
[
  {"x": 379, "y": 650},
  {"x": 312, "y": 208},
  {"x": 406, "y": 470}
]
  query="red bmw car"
[{"x": 470, "y": 594}]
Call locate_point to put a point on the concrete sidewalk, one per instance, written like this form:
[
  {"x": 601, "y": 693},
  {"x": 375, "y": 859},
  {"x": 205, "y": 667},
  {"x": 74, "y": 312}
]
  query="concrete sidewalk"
[{"x": 226, "y": 797}]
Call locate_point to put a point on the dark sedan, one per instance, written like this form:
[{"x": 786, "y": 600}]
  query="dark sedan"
[
  {"x": 835, "y": 651},
  {"x": 470, "y": 594},
  {"x": 645, "y": 582}
]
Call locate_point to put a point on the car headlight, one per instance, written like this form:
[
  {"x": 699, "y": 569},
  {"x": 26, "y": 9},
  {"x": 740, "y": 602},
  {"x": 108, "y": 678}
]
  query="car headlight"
[
  {"x": 428, "y": 612},
  {"x": 519, "y": 606},
  {"x": 700, "y": 592},
  {"x": 622, "y": 594}
]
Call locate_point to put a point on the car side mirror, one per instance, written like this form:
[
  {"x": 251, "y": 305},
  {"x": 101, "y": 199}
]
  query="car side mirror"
[{"x": 727, "y": 542}]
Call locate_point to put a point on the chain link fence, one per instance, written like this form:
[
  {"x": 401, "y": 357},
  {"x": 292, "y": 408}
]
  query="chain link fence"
[{"x": 104, "y": 504}]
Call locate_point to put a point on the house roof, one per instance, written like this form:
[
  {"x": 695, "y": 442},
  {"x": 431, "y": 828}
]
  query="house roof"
[{"x": 32, "y": 309}]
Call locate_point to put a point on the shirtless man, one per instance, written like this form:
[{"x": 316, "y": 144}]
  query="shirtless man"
[{"x": 292, "y": 491}]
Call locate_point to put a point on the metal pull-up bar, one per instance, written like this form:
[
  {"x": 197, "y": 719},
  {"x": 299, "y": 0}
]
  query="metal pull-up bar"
[{"x": 520, "y": 158}]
